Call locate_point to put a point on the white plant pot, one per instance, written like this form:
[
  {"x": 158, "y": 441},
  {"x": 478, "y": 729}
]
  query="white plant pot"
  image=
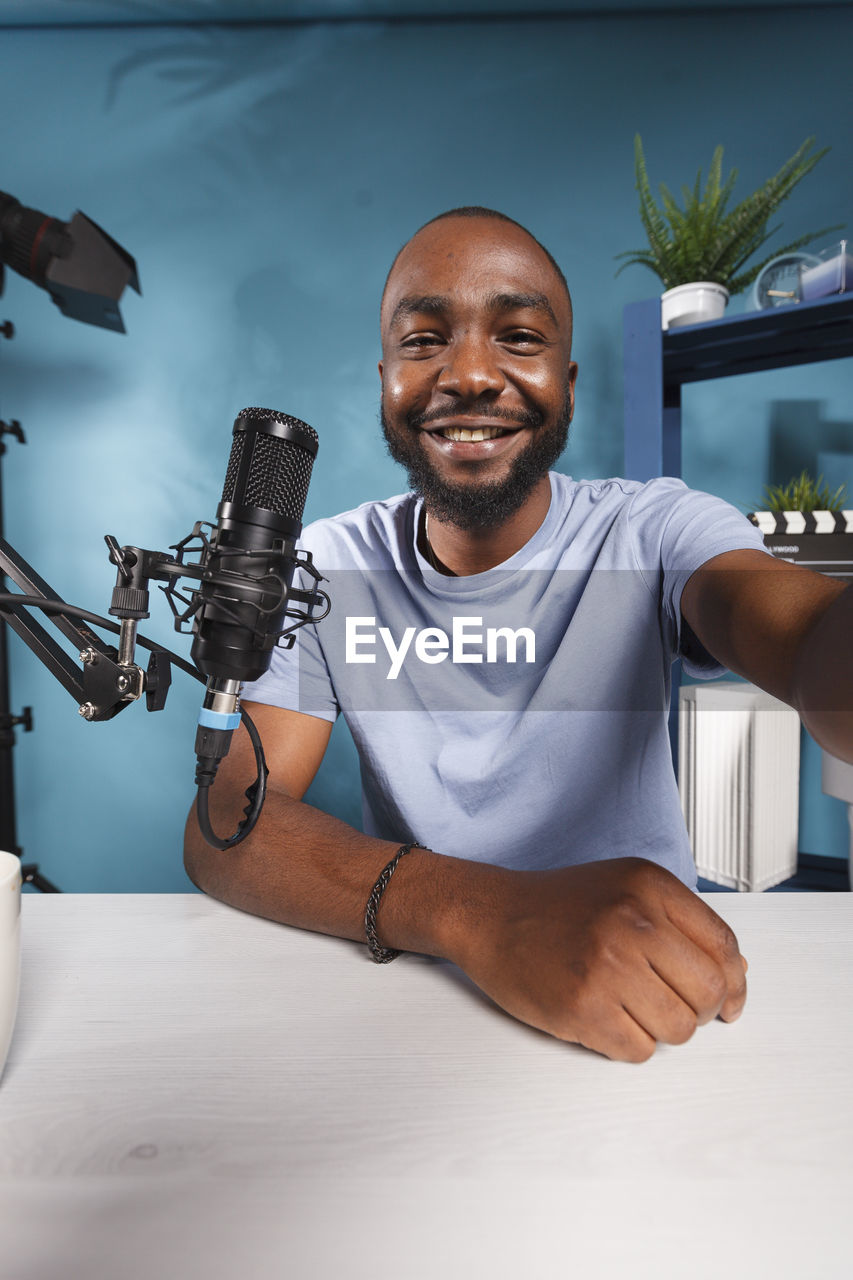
[{"x": 693, "y": 304}]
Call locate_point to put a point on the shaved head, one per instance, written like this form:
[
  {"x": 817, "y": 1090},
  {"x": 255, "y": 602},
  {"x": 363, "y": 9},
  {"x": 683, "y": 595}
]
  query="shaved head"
[{"x": 478, "y": 211}]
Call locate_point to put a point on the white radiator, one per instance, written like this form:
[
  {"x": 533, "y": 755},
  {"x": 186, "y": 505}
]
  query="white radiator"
[{"x": 739, "y": 780}]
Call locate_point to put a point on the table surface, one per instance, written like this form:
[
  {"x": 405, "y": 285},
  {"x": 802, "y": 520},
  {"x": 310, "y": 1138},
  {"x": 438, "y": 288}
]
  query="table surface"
[{"x": 193, "y": 1092}]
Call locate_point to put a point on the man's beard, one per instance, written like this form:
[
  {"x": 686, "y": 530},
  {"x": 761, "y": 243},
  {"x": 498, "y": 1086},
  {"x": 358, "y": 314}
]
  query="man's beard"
[{"x": 470, "y": 505}]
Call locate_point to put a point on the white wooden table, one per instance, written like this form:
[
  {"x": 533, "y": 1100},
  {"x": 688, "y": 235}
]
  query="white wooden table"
[{"x": 192, "y": 1092}]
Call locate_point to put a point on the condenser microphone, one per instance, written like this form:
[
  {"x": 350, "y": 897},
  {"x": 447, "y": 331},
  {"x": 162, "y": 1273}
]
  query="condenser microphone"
[{"x": 249, "y": 565}]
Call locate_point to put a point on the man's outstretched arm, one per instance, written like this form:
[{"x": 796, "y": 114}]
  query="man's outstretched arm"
[
  {"x": 615, "y": 955},
  {"x": 788, "y": 630}
]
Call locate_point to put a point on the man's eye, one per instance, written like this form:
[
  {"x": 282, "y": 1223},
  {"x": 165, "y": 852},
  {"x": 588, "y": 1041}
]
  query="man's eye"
[
  {"x": 522, "y": 338},
  {"x": 420, "y": 341}
]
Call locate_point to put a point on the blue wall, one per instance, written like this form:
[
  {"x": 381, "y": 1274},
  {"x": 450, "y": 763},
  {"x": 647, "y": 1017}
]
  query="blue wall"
[{"x": 263, "y": 178}]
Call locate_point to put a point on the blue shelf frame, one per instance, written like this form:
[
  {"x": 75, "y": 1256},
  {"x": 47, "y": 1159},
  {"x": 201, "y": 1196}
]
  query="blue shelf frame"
[{"x": 658, "y": 364}]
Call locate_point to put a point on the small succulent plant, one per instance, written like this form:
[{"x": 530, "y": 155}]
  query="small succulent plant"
[{"x": 802, "y": 493}]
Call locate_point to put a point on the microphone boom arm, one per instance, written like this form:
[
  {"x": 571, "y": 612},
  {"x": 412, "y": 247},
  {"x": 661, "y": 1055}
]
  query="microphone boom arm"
[
  {"x": 110, "y": 678},
  {"x": 103, "y": 684}
]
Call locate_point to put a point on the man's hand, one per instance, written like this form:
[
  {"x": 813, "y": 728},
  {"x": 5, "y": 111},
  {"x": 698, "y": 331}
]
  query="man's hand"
[{"x": 614, "y": 955}]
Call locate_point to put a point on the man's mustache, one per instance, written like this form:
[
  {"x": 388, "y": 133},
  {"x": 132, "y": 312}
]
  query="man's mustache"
[{"x": 526, "y": 418}]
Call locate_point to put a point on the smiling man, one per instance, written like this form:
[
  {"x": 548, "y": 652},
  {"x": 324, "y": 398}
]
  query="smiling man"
[
  {"x": 500, "y": 646},
  {"x": 477, "y": 439}
]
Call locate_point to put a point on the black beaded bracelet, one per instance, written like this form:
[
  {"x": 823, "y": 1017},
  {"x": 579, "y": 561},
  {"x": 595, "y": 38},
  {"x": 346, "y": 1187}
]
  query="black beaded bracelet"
[{"x": 378, "y": 953}]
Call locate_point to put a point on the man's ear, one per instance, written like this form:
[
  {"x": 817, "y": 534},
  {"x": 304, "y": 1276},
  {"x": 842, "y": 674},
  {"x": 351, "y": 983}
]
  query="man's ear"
[{"x": 573, "y": 373}]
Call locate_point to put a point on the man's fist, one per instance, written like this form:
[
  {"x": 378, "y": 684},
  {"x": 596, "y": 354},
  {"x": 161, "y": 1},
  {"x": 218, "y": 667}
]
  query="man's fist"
[{"x": 614, "y": 955}]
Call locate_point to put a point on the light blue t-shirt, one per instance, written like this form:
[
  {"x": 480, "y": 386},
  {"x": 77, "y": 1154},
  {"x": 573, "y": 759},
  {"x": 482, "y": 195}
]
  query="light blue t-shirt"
[{"x": 516, "y": 716}]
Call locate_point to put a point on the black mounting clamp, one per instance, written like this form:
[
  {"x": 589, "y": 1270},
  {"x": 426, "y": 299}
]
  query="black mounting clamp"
[{"x": 12, "y": 428}]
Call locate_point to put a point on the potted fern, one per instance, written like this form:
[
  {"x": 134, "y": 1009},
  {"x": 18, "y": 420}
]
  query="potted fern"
[
  {"x": 794, "y": 517},
  {"x": 700, "y": 251}
]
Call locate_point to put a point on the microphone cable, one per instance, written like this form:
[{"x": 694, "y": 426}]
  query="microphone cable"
[{"x": 255, "y": 793}]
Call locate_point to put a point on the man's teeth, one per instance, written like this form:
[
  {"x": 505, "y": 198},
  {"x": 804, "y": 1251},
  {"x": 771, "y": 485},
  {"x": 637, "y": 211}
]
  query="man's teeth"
[{"x": 471, "y": 437}]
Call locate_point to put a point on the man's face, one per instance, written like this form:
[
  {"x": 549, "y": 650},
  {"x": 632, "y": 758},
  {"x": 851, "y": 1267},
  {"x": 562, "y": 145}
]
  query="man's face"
[{"x": 477, "y": 379}]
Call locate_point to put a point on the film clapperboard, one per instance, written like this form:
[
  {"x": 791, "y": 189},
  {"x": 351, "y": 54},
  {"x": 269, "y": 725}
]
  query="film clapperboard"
[{"x": 819, "y": 540}]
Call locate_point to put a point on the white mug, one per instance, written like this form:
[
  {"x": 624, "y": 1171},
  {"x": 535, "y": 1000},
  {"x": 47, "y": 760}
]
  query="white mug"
[{"x": 10, "y": 947}]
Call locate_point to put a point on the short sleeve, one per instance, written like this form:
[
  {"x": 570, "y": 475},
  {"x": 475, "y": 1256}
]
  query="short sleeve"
[{"x": 674, "y": 531}]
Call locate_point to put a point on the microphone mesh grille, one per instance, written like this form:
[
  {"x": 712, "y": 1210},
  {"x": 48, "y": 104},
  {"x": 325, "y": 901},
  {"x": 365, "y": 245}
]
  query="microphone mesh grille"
[
  {"x": 233, "y": 466},
  {"x": 278, "y": 477}
]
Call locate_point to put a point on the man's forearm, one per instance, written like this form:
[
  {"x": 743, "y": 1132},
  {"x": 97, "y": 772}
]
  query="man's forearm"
[
  {"x": 824, "y": 678},
  {"x": 304, "y": 868}
]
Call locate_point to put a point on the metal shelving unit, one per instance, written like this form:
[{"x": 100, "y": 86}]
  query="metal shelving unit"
[{"x": 657, "y": 365}]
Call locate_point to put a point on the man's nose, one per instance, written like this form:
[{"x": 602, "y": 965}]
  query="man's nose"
[{"x": 471, "y": 369}]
